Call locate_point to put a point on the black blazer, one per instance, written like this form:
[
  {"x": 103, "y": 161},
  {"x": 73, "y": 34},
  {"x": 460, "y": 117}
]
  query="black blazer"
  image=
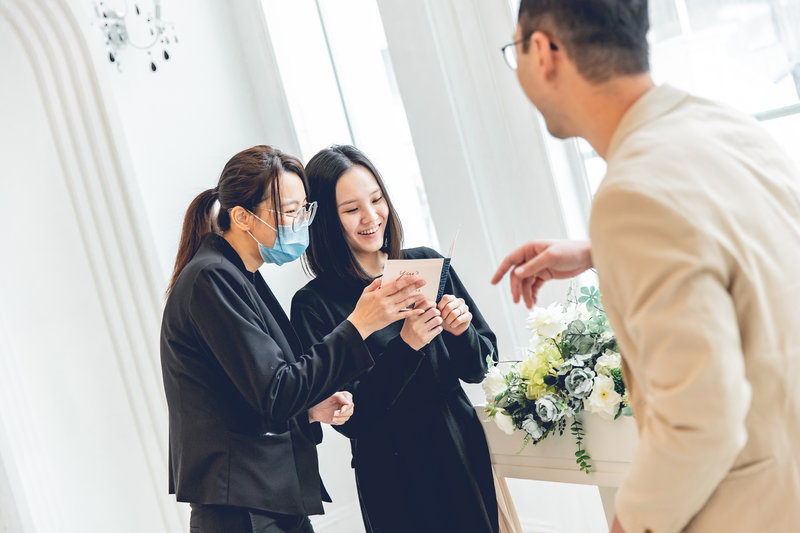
[
  {"x": 419, "y": 451},
  {"x": 238, "y": 388}
]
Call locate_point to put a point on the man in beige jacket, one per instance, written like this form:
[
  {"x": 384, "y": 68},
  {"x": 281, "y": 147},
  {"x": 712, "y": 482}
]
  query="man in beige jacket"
[{"x": 695, "y": 234}]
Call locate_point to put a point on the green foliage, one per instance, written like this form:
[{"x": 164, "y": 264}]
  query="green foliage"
[
  {"x": 581, "y": 456},
  {"x": 591, "y": 297},
  {"x": 581, "y": 340},
  {"x": 619, "y": 384},
  {"x": 586, "y": 336}
]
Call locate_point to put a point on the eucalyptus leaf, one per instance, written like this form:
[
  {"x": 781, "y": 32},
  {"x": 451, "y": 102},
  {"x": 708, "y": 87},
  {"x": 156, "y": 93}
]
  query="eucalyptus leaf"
[{"x": 576, "y": 327}]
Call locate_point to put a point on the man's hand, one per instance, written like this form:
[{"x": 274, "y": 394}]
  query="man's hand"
[
  {"x": 536, "y": 262},
  {"x": 335, "y": 411}
]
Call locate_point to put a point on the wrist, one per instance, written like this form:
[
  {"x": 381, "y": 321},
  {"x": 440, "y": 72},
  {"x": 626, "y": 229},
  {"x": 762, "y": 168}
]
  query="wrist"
[
  {"x": 409, "y": 342},
  {"x": 362, "y": 328}
]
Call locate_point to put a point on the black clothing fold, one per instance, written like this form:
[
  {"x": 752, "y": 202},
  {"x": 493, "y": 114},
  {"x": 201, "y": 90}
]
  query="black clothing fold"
[
  {"x": 226, "y": 519},
  {"x": 238, "y": 388},
  {"x": 419, "y": 452}
]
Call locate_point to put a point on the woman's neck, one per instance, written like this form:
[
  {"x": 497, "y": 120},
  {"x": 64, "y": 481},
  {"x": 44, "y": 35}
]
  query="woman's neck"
[
  {"x": 244, "y": 245},
  {"x": 372, "y": 262}
]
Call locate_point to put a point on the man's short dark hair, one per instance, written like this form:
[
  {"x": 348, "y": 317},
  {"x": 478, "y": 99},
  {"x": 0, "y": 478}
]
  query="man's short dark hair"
[{"x": 604, "y": 38}]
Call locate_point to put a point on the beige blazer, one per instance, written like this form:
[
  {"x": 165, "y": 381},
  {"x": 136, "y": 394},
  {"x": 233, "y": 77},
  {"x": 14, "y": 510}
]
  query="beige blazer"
[{"x": 696, "y": 238}]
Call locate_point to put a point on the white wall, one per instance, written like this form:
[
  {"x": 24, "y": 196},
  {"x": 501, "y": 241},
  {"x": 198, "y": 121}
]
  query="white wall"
[
  {"x": 81, "y": 438},
  {"x": 484, "y": 161},
  {"x": 220, "y": 93},
  {"x": 103, "y": 164}
]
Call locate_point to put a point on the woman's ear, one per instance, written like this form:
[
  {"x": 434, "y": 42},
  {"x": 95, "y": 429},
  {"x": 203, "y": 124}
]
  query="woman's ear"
[{"x": 240, "y": 218}]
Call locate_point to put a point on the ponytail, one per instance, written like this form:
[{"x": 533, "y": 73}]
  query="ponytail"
[
  {"x": 196, "y": 224},
  {"x": 248, "y": 178}
]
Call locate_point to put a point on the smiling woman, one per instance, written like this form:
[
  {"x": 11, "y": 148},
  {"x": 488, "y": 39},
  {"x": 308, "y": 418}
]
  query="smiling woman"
[
  {"x": 420, "y": 456},
  {"x": 357, "y": 218},
  {"x": 244, "y": 396},
  {"x": 363, "y": 212}
]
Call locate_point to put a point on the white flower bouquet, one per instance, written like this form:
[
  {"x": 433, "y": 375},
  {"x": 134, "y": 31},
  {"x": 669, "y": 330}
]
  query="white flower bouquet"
[{"x": 572, "y": 364}]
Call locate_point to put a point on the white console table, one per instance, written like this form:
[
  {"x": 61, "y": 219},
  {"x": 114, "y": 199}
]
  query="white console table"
[{"x": 611, "y": 444}]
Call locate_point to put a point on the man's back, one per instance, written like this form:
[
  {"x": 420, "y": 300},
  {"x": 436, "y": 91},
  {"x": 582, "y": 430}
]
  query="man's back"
[{"x": 696, "y": 238}]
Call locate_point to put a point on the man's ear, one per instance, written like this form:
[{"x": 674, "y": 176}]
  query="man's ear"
[
  {"x": 546, "y": 56},
  {"x": 240, "y": 218}
]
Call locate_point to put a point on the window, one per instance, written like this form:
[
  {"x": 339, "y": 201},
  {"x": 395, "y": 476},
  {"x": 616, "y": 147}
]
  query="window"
[
  {"x": 745, "y": 53},
  {"x": 340, "y": 87}
]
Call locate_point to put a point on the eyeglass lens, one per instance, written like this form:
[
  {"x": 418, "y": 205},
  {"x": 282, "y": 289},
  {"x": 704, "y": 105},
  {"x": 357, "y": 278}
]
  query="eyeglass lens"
[
  {"x": 510, "y": 55},
  {"x": 304, "y": 216}
]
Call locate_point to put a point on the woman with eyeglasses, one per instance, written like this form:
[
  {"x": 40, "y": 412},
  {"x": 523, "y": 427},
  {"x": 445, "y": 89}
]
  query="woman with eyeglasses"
[
  {"x": 244, "y": 396},
  {"x": 419, "y": 452}
]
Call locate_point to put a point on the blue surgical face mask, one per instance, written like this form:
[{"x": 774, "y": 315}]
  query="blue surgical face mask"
[{"x": 289, "y": 244}]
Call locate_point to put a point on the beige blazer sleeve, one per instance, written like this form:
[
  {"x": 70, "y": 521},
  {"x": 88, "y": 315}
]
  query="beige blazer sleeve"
[{"x": 664, "y": 288}]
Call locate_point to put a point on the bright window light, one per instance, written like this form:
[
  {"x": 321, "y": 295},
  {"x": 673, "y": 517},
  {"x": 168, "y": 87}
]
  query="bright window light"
[{"x": 340, "y": 86}]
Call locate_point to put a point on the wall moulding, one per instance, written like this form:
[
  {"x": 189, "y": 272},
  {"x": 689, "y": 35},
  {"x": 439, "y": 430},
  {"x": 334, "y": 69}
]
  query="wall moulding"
[{"x": 102, "y": 193}]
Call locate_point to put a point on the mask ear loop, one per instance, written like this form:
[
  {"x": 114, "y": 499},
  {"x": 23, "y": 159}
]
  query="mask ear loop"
[
  {"x": 277, "y": 232},
  {"x": 233, "y": 218}
]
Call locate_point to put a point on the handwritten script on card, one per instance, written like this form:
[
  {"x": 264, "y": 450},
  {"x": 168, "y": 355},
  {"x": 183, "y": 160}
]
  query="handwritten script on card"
[{"x": 433, "y": 271}]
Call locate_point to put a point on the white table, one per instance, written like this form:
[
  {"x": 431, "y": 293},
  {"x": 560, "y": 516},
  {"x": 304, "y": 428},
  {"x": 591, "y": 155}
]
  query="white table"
[{"x": 611, "y": 444}]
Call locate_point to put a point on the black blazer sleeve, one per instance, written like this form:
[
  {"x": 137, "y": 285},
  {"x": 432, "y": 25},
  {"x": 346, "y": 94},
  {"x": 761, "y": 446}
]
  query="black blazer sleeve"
[
  {"x": 235, "y": 333},
  {"x": 375, "y": 391},
  {"x": 469, "y": 350}
]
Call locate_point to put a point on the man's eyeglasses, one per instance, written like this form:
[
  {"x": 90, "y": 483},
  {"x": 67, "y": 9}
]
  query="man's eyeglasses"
[
  {"x": 302, "y": 217},
  {"x": 510, "y": 51}
]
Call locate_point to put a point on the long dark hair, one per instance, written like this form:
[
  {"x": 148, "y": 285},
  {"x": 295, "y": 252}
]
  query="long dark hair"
[
  {"x": 328, "y": 253},
  {"x": 249, "y": 178}
]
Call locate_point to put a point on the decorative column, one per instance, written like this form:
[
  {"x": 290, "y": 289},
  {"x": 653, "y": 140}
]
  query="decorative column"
[{"x": 81, "y": 400}]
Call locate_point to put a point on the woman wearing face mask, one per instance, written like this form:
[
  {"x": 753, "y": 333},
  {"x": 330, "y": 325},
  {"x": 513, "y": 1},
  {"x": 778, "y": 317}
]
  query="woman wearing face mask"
[
  {"x": 419, "y": 452},
  {"x": 244, "y": 395}
]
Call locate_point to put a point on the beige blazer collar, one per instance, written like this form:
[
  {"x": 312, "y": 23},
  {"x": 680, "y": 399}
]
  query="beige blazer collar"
[{"x": 654, "y": 103}]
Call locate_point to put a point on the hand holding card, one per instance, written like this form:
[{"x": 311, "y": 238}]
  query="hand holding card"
[{"x": 433, "y": 270}]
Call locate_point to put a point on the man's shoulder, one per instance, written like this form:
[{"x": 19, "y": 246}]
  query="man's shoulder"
[{"x": 694, "y": 127}]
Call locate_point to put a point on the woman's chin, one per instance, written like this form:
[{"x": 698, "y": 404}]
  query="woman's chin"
[{"x": 370, "y": 244}]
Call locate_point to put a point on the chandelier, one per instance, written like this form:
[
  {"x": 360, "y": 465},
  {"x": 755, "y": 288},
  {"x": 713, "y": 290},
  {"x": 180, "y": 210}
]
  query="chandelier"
[{"x": 137, "y": 29}]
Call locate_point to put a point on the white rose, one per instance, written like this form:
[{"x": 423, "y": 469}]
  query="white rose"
[
  {"x": 604, "y": 400},
  {"x": 532, "y": 428},
  {"x": 504, "y": 422},
  {"x": 607, "y": 362},
  {"x": 493, "y": 384},
  {"x": 547, "y": 321}
]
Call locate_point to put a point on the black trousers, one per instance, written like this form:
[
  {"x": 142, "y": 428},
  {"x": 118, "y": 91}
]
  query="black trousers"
[{"x": 226, "y": 519}]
